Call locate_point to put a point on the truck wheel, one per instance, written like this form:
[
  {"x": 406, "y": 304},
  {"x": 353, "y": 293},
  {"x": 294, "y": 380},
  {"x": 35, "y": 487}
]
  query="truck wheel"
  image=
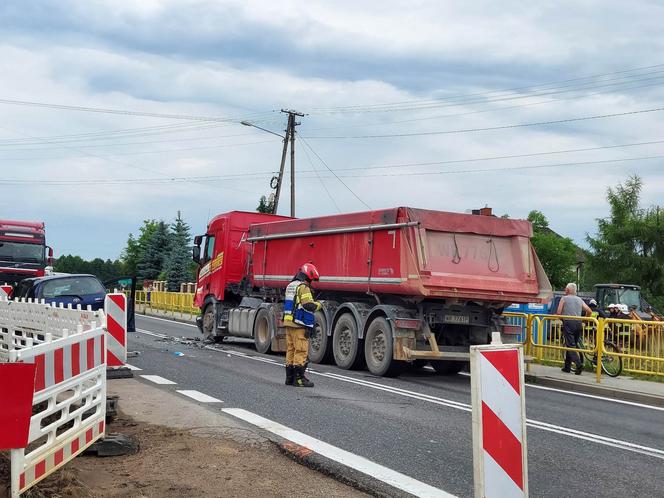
[
  {"x": 448, "y": 367},
  {"x": 320, "y": 344},
  {"x": 263, "y": 331},
  {"x": 209, "y": 323},
  {"x": 378, "y": 349},
  {"x": 346, "y": 343}
]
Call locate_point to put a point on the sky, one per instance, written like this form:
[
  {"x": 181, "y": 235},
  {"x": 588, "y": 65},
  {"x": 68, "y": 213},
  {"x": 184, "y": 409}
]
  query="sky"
[{"x": 113, "y": 112}]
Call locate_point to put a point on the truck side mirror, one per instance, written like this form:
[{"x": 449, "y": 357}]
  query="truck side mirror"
[
  {"x": 49, "y": 257},
  {"x": 198, "y": 239},
  {"x": 196, "y": 254}
]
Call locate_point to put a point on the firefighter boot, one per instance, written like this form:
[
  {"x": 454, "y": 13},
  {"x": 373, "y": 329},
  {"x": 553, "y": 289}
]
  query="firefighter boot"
[
  {"x": 290, "y": 375},
  {"x": 300, "y": 379}
]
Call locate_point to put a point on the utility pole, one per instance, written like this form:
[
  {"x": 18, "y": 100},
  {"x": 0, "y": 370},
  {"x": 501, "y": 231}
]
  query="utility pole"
[
  {"x": 281, "y": 168},
  {"x": 290, "y": 135},
  {"x": 290, "y": 132}
]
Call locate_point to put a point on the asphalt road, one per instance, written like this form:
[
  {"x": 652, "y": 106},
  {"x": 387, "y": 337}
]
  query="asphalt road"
[{"x": 420, "y": 424}]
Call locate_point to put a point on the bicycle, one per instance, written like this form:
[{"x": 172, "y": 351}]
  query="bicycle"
[{"x": 612, "y": 365}]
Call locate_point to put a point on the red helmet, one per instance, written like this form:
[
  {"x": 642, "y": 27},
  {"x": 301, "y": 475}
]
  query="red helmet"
[{"x": 310, "y": 271}]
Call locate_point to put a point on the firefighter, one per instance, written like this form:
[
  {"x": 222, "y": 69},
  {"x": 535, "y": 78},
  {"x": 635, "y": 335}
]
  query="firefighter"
[{"x": 299, "y": 310}]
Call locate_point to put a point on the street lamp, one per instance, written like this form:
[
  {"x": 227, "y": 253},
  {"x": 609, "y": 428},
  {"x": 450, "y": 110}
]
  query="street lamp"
[{"x": 247, "y": 123}]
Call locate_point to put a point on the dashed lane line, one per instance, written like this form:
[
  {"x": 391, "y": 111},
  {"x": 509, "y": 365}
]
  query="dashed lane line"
[
  {"x": 199, "y": 396},
  {"x": 157, "y": 379},
  {"x": 356, "y": 462},
  {"x": 132, "y": 367}
]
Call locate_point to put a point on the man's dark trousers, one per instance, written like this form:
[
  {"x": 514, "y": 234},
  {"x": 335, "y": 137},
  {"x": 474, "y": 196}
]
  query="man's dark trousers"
[{"x": 571, "y": 333}]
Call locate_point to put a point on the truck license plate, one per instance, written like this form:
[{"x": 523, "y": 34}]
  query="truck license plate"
[{"x": 459, "y": 319}]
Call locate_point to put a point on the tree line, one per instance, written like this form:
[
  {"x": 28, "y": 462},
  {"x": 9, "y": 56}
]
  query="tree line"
[
  {"x": 627, "y": 248},
  {"x": 160, "y": 251}
]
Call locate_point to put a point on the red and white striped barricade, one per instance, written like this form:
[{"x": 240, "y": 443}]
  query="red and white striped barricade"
[
  {"x": 68, "y": 408},
  {"x": 115, "y": 307},
  {"x": 6, "y": 290},
  {"x": 499, "y": 421}
]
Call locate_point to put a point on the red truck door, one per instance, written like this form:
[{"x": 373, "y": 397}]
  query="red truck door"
[{"x": 212, "y": 257}]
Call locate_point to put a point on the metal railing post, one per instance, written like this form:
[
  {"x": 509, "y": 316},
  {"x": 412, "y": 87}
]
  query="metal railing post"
[{"x": 600, "y": 348}]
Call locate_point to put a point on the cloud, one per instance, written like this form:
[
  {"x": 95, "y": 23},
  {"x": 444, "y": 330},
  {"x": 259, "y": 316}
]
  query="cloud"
[{"x": 339, "y": 62}]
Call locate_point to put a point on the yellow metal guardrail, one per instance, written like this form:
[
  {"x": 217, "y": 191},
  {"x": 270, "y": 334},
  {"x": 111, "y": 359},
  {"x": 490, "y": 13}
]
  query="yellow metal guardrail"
[
  {"x": 168, "y": 302},
  {"x": 548, "y": 343},
  {"x": 639, "y": 344}
]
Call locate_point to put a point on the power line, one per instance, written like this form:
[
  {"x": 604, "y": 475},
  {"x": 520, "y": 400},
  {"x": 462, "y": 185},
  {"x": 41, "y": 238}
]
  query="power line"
[
  {"x": 113, "y": 134},
  {"x": 144, "y": 152},
  {"x": 244, "y": 176},
  {"x": 484, "y": 94},
  {"x": 494, "y": 158},
  {"x": 118, "y": 144},
  {"x": 304, "y": 141},
  {"x": 506, "y": 168},
  {"x": 490, "y": 128},
  {"x": 320, "y": 179},
  {"x": 123, "y": 112},
  {"x": 482, "y": 111},
  {"x": 126, "y": 164}
]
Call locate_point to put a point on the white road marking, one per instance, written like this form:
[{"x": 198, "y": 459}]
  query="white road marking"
[
  {"x": 132, "y": 367},
  {"x": 586, "y": 395},
  {"x": 167, "y": 320},
  {"x": 158, "y": 379},
  {"x": 594, "y": 396},
  {"x": 596, "y": 438},
  {"x": 356, "y": 462},
  {"x": 565, "y": 431},
  {"x": 199, "y": 396},
  {"x": 153, "y": 334}
]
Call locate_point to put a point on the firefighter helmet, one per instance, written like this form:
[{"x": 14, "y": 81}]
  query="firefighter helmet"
[{"x": 310, "y": 271}]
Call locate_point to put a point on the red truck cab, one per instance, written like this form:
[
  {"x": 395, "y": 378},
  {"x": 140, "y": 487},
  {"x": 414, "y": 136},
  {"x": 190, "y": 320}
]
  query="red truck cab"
[
  {"x": 23, "y": 250},
  {"x": 223, "y": 255}
]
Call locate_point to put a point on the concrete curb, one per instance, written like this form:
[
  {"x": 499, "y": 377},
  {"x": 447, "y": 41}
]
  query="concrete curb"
[
  {"x": 598, "y": 390},
  {"x": 335, "y": 470}
]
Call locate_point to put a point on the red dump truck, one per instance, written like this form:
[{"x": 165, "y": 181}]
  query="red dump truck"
[
  {"x": 23, "y": 250},
  {"x": 397, "y": 285}
]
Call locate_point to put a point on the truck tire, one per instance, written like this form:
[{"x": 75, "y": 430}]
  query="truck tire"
[
  {"x": 378, "y": 349},
  {"x": 320, "y": 344},
  {"x": 209, "y": 321},
  {"x": 448, "y": 367},
  {"x": 346, "y": 345},
  {"x": 263, "y": 331}
]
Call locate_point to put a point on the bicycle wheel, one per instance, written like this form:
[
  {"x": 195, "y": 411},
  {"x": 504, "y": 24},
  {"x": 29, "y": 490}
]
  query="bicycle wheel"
[
  {"x": 591, "y": 357},
  {"x": 611, "y": 364}
]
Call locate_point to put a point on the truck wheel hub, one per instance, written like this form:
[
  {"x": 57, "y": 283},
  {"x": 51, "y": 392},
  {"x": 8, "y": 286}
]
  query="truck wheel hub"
[
  {"x": 344, "y": 342},
  {"x": 378, "y": 348}
]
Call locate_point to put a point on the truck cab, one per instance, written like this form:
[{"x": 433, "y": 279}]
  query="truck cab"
[
  {"x": 222, "y": 255},
  {"x": 23, "y": 251}
]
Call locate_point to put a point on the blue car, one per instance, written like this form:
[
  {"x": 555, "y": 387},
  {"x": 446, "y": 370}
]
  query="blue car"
[{"x": 85, "y": 290}]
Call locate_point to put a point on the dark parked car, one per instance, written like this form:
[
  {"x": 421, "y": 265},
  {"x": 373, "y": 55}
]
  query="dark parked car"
[{"x": 85, "y": 290}]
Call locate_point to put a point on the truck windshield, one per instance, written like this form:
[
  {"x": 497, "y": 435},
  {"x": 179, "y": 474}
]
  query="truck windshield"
[{"x": 22, "y": 253}]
